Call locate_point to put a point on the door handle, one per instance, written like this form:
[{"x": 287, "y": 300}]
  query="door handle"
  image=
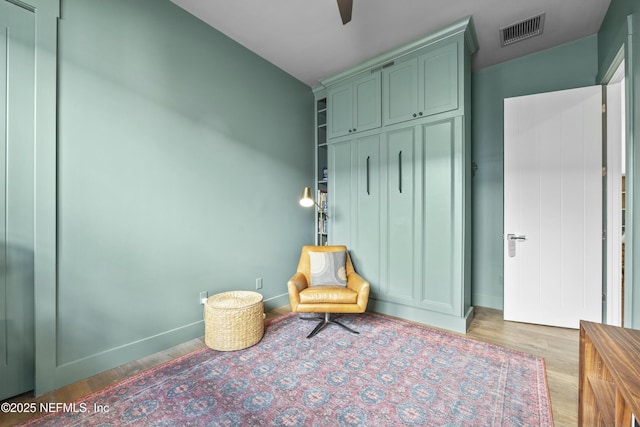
[
  {"x": 368, "y": 192},
  {"x": 512, "y": 239},
  {"x": 400, "y": 171}
]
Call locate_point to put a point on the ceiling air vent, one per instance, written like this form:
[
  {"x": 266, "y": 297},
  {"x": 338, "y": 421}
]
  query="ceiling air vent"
[{"x": 522, "y": 30}]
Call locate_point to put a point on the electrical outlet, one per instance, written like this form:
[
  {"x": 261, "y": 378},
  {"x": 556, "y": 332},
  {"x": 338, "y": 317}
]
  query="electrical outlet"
[
  {"x": 203, "y": 297},
  {"x": 259, "y": 283}
]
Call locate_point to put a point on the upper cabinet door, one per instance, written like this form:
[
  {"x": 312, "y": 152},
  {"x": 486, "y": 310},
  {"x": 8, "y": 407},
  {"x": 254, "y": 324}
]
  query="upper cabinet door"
[
  {"x": 438, "y": 82},
  {"x": 400, "y": 92},
  {"x": 340, "y": 108},
  {"x": 367, "y": 103},
  {"x": 421, "y": 86},
  {"x": 354, "y": 106}
]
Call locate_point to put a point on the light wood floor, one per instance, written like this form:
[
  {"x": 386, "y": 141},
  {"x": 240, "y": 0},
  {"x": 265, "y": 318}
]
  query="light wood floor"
[{"x": 558, "y": 346}]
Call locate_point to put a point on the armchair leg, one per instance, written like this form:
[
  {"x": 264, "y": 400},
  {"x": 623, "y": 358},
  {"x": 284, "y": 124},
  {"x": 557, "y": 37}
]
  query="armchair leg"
[{"x": 324, "y": 321}]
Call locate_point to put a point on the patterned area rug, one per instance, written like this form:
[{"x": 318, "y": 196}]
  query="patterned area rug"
[{"x": 394, "y": 373}]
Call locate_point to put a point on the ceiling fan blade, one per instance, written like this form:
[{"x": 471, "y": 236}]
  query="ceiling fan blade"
[{"x": 345, "y": 6}]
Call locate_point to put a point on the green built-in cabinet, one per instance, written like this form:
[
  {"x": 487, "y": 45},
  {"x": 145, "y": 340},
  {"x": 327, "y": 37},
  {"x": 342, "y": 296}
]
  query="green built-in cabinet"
[{"x": 400, "y": 189}]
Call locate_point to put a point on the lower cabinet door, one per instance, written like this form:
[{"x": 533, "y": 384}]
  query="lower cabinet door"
[
  {"x": 402, "y": 242},
  {"x": 340, "y": 194},
  {"x": 442, "y": 216},
  {"x": 367, "y": 230}
]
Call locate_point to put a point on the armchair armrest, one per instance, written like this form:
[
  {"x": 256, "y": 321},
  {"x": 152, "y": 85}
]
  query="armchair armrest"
[
  {"x": 294, "y": 286},
  {"x": 299, "y": 281},
  {"x": 361, "y": 286}
]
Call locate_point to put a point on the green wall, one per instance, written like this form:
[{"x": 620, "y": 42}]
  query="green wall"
[
  {"x": 564, "y": 67},
  {"x": 581, "y": 63},
  {"x": 180, "y": 159},
  {"x": 181, "y": 156}
]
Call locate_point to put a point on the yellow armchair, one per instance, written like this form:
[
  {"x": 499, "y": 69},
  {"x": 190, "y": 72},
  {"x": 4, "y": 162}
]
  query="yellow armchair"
[{"x": 327, "y": 299}]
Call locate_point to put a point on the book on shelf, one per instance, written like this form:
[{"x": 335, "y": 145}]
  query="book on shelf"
[
  {"x": 322, "y": 224},
  {"x": 322, "y": 201}
]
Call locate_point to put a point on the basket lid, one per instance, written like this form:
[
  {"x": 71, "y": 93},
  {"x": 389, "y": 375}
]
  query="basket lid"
[{"x": 234, "y": 299}]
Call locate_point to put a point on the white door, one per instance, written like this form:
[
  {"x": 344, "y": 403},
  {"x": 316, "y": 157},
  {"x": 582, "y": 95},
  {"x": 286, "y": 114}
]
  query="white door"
[{"x": 553, "y": 207}]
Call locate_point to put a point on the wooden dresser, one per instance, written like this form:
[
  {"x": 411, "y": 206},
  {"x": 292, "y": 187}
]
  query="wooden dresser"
[{"x": 609, "y": 393}]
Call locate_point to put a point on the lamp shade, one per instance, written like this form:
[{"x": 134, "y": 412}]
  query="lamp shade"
[{"x": 307, "y": 200}]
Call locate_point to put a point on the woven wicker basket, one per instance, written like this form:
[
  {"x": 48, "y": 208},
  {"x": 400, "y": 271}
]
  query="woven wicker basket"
[{"x": 233, "y": 320}]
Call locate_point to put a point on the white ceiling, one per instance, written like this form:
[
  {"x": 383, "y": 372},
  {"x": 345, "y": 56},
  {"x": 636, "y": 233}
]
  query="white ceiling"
[{"x": 306, "y": 38}]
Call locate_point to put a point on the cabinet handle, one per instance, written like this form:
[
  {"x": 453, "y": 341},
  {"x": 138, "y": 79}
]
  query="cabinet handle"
[
  {"x": 400, "y": 171},
  {"x": 415, "y": 115},
  {"x": 420, "y": 113},
  {"x": 368, "y": 192}
]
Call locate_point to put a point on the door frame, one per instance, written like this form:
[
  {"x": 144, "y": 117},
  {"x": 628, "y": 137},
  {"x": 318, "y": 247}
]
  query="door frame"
[
  {"x": 623, "y": 56},
  {"x": 615, "y": 146}
]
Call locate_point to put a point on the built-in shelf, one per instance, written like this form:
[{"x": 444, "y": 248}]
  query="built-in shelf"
[
  {"x": 605, "y": 399},
  {"x": 322, "y": 235},
  {"x": 609, "y": 392}
]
